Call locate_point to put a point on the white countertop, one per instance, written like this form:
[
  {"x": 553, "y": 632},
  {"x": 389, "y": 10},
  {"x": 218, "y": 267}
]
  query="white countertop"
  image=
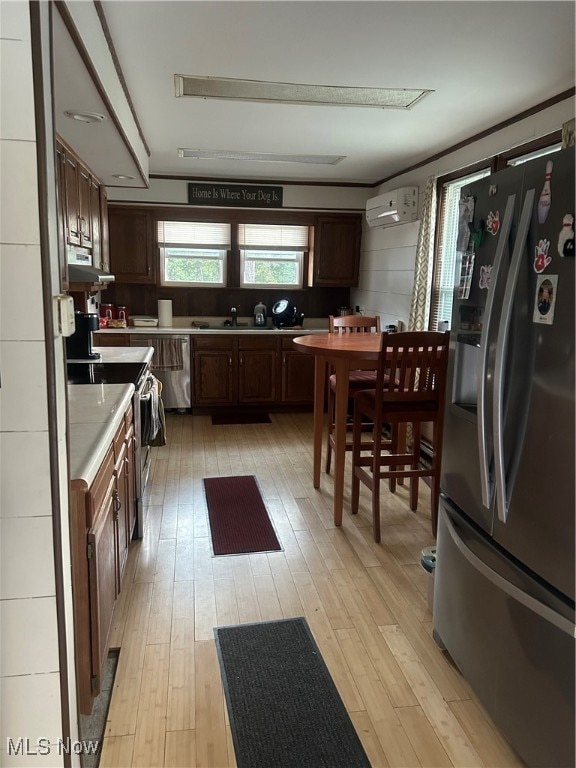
[
  {"x": 184, "y": 326},
  {"x": 95, "y": 412},
  {"x": 163, "y": 331},
  {"x": 120, "y": 355}
]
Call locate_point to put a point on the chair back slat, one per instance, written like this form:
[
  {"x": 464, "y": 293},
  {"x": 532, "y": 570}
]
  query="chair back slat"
[
  {"x": 412, "y": 366},
  {"x": 353, "y": 324}
]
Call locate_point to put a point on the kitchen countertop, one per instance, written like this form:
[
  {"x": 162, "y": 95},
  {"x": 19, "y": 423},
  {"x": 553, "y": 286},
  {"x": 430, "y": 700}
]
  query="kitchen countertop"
[
  {"x": 184, "y": 326},
  {"x": 120, "y": 355},
  {"x": 95, "y": 412},
  {"x": 161, "y": 331}
]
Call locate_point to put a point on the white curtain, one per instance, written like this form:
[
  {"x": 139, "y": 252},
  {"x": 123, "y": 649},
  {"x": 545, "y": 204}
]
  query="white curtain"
[{"x": 420, "y": 308}]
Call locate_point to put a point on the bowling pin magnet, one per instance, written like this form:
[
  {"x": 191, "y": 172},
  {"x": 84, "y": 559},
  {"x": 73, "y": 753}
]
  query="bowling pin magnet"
[
  {"x": 566, "y": 236},
  {"x": 546, "y": 194}
]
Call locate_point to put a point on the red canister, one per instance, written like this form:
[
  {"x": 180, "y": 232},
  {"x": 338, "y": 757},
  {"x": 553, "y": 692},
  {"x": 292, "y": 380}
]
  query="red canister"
[
  {"x": 107, "y": 311},
  {"x": 122, "y": 313}
]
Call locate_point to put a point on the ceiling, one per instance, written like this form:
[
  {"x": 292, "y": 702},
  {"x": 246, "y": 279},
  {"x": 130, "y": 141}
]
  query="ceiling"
[{"x": 484, "y": 62}]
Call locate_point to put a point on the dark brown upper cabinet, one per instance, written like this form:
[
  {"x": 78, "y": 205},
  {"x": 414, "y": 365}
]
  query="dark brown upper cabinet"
[
  {"x": 132, "y": 252},
  {"x": 336, "y": 259},
  {"x": 61, "y": 214},
  {"x": 79, "y": 196}
]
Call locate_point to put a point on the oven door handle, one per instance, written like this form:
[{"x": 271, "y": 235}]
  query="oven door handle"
[{"x": 146, "y": 388}]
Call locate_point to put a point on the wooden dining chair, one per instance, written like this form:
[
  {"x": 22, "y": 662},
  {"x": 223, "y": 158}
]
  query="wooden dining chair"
[
  {"x": 362, "y": 379},
  {"x": 410, "y": 389}
]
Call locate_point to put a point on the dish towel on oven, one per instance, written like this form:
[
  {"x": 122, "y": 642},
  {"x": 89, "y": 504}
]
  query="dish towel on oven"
[
  {"x": 150, "y": 412},
  {"x": 167, "y": 354},
  {"x": 160, "y": 438}
]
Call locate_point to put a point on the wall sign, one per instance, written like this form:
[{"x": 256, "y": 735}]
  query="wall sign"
[{"x": 235, "y": 195}]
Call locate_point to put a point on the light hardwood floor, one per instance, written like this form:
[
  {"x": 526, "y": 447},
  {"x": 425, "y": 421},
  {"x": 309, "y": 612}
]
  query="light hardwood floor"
[{"x": 365, "y": 603}]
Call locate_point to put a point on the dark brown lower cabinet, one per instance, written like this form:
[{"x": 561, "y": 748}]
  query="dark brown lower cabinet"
[
  {"x": 250, "y": 369},
  {"x": 256, "y": 369},
  {"x": 111, "y": 339},
  {"x": 103, "y": 582},
  {"x": 214, "y": 379},
  {"x": 231, "y": 370},
  {"x": 297, "y": 375},
  {"x": 102, "y": 519}
]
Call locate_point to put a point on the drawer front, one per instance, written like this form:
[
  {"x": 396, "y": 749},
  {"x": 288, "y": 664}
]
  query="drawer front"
[
  {"x": 119, "y": 439},
  {"x": 214, "y": 342},
  {"x": 257, "y": 342},
  {"x": 128, "y": 417},
  {"x": 99, "y": 489}
]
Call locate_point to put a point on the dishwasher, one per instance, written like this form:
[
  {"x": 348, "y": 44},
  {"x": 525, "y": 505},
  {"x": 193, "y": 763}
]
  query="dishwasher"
[{"x": 170, "y": 365}]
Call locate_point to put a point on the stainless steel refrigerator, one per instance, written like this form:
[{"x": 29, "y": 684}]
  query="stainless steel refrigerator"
[{"x": 505, "y": 575}]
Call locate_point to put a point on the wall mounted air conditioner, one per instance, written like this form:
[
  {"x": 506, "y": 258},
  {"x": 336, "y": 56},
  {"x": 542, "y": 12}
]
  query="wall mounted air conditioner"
[{"x": 399, "y": 206}]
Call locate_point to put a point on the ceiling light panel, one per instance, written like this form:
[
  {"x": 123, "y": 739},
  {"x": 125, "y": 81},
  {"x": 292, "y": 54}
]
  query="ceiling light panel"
[
  {"x": 294, "y": 93},
  {"x": 267, "y": 157}
]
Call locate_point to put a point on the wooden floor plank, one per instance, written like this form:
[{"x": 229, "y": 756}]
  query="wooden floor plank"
[
  {"x": 489, "y": 744},
  {"x": 117, "y": 752},
  {"x": 393, "y": 739},
  {"x": 180, "y": 749},
  {"x": 211, "y": 739},
  {"x": 369, "y": 738},
  {"x": 451, "y": 734},
  {"x": 150, "y": 736},
  {"x": 422, "y": 737}
]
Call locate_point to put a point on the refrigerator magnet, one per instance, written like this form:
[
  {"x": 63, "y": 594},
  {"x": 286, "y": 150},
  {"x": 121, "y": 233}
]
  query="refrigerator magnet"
[
  {"x": 566, "y": 236},
  {"x": 546, "y": 194},
  {"x": 493, "y": 222},
  {"x": 541, "y": 259},
  {"x": 485, "y": 276},
  {"x": 545, "y": 301}
]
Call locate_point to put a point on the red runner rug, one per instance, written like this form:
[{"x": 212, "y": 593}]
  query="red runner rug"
[{"x": 239, "y": 522}]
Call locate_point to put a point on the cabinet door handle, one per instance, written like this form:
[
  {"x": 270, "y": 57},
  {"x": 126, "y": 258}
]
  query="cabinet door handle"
[{"x": 117, "y": 503}]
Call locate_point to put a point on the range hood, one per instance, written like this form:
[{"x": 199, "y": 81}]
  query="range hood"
[{"x": 84, "y": 273}]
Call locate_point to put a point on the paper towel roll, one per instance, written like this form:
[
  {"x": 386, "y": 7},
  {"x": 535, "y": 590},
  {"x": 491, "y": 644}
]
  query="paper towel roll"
[{"x": 165, "y": 312}]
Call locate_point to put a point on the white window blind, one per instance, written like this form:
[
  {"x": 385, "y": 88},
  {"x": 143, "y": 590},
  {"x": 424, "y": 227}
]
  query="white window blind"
[
  {"x": 446, "y": 256},
  {"x": 272, "y": 255},
  {"x": 272, "y": 236},
  {"x": 193, "y": 233},
  {"x": 193, "y": 253}
]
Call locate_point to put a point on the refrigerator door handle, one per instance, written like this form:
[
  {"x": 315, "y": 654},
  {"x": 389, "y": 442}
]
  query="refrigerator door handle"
[
  {"x": 534, "y": 605},
  {"x": 502, "y": 496},
  {"x": 485, "y": 440}
]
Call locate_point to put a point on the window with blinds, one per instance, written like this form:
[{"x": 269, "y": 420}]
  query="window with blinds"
[
  {"x": 446, "y": 256},
  {"x": 272, "y": 255},
  {"x": 193, "y": 253}
]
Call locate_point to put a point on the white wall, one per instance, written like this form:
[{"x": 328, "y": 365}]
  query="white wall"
[
  {"x": 175, "y": 191},
  {"x": 388, "y": 254},
  {"x": 30, "y": 700}
]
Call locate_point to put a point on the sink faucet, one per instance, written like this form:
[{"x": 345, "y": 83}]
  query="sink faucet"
[{"x": 234, "y": 313}]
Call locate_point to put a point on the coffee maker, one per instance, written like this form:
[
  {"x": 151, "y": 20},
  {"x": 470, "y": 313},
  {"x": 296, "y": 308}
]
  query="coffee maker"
[{"x": 79, "y": 345}]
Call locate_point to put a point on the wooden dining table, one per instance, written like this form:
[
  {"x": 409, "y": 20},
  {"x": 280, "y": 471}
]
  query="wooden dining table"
[{"x": 343, "y": 352}]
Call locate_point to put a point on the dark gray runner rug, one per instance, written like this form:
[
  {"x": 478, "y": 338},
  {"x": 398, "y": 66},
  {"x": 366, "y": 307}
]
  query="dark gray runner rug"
[{"x": 284, "y": 709}]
